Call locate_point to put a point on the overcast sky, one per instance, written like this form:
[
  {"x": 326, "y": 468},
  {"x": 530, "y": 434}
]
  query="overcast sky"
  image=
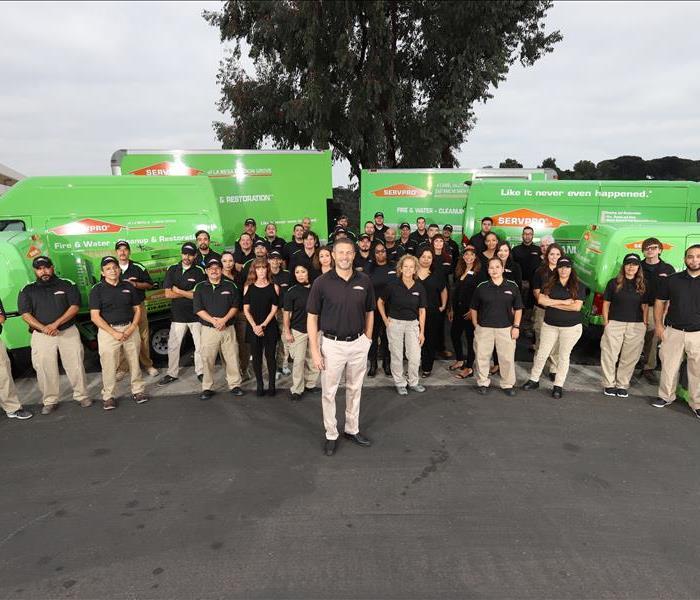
[{"x": 80, "y": 80}]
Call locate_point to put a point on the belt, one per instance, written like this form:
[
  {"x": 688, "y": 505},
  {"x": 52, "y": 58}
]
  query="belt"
[
  {"x": 349, "y": 338},
  {"x": 686, "y": 329},
  {"x": 120, "y": 324}
]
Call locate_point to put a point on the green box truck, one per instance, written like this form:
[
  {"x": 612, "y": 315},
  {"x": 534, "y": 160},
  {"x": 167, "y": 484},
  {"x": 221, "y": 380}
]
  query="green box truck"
[
  {"x": 272, "y": 186},
  {"x": 77, "y": 220}
]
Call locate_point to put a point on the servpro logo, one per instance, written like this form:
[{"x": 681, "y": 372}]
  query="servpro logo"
[
  {"x": 401, "y": 190},
  {"x": 166, "y": 168},
  {"x": 638, "y": 245},
  {"x": 520, "y": 217},
  {"x": 86, "y": 226}
]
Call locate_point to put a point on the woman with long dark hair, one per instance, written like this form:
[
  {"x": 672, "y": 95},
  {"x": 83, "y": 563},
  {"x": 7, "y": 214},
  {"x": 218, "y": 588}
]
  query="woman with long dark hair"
[
  {"x": 435, "y": 284},
  {"x": 441, "y": 254},
  {"x": 260, "y": 304},
  {"x": 381, "y": 274},
  {"x": 511, "y": 269},
  {"x": 562, "y": 298},
  {"x": 324, "y": 260},
  {"x": 549, "y": 264},
  {"x": 624, "y": 320},
  {"x": 490, "y": 247},
  {"x": 467, "y": 277}
]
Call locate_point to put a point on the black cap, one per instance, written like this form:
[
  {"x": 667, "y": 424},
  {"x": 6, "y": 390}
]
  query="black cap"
[
  {"x": 275, "y": 254},
  {"x": 448, "y": 227},
  {"x": 188, "y": 248},
  {"x": 379, "y": 213},
  {"x": 213, "y": 262},
  {"x": 363, "y": 236},
  {"x": 404, "y": 225},
  {"x": 340, "y": 230},
  {"x": 108, "y": 259},
  {"x": 631, "y": 259},
  {"x": 42, "y": 261},
  {"x": 433, "y": 225},
  {"x": 250, "y": 222},
  {"x": 260, "y": 243},
  {"x": 121, "y": 243},
  {"x": 564, "y": 262}
]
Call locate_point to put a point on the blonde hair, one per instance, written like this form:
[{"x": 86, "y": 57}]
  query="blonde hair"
[{"x": 402, "y": 261}]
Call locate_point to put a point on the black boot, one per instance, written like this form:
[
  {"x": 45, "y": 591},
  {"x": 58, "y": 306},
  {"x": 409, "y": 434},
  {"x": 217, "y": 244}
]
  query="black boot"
[
  {"x": 372, "y": 369},
  {"x": 386, "y": 363},
  {"x": 260, "y": 388},
  {"x": 272, "y": 390}
]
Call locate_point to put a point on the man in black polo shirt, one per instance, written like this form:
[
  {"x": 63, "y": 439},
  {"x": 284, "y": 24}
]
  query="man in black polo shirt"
[
  {"x": 243, "y": 252},
  {"x": 529, "y": 257},
  {"x": 297, "y": 243},
  {"x": 394, "y": 251},
  {"x": 274, "y": 243},
  {"x": 419, "y": 236},
  {"x": 180, "y": 280},
  {"x": 363, "y": 259},
  {"x": 49, "y": 306},
  {"x": 259, "y": 251},
  {"x": 205, "y": 252},
  {"x": 116, "y": 310},
  {"x": 680, "y": 294},
  {"x": 136, "y": 274},
  {"x": 405, "y": 241},
  {"x": 379, "y": 226},
  {"x": 450, "y": 243},
  {"x": 477, "y": 240},
  {"x": 341, "y": 305},
  {"x": 250, "y": 227},
  {"x": 216, "y": 302}
]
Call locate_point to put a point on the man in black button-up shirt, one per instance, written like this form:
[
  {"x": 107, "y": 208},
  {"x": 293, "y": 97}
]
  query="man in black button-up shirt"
[
  {"x": 341, "y": 305},
  {"x": 49, "y": 306},
  {"x": 680, "y": 293}
]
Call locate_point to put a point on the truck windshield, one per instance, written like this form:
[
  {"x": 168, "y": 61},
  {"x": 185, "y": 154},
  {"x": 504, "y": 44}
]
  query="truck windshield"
[{"x": 12, "y": 225}]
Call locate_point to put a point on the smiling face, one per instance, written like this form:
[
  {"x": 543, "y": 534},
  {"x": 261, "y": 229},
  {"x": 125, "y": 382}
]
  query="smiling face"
[
  {"x": 408, "y": 269},
  {"x": 692, "y": 260},
  {"x": 631, "y": 270},
  {"x": 553, "y": 255},
  {"x": 324, "y": 257},
  {"x": 491, "y": 241},
  {"x": 270, "y": 230},
  {"x": 495, "y": 269},
  {"x": 503, "y": 253},
  {"x": 343, "y": 254},
  {"x": 298, "y": 232},
  {"x": 528, "y": 234},
  {"x": 203, "y": 241},
  {"x": 227, "y": 261},
  {"x": 214, "y": 273},
  {"x": 111, "y": 272},
  {"x": 426, "y": 258},
  {"x": 123, "y": 254},
  {"x": 246, "y": 242}
]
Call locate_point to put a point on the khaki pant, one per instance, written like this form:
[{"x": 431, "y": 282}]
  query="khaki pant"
[
  {"x": 110, "y": 353},
  {"x": 537, "y": 322},
  {"x": 175, "y": 337},
  {"x": 8, "y": 394},
  {"x": 349, "y": 358},
  {"x": 213, "y": 341},
  {"x": 304, "y": 373},
  {"x": 403, "y": 337},
  {"x": 565, "y": 338},
  {"x": 283, "y": 349},
  {"x": 45, "y": 352},
  {"x": 144, "y": 347},
  {"x": 677, "y": 343},
  {"x": 243, "y": 348},
  {"x": 485, "y": 340},
  {"x": 651, "y": 342},
  {"x": 621, "y": 341}
]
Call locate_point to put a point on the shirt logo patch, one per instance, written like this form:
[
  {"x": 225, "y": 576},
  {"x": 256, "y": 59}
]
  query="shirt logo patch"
[
  {"x": 59, "y": 292},
  {"x": 358, "y": 287},
  {"x": 415, "y": 293},
  {"x": 225, "y": 293},
  {"x": 508, "y": 292},
  {"x": 193, "y": 280},
  {"x": 126, "y": 291},
  {"x": 391, "y": 273}
]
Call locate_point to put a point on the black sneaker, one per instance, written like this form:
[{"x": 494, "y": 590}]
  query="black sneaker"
[
  {"x": 166, "y": 380},
  {"x": 206, "y": 394},
  {"x": 622, "y": 393},
  {"x": 295, "y": 397},
  {"x": 610, "y": 391},
  {"x": 200, "y": 377},
  {"x": 329, "y": 447},
  {"x": 140, "y": 398},
  {"x": 659, "y": 403},
  {"x": 482, "y": 389},
  {"x": 531, "y": 385},
  {"x": 509, "y": 391},
  {"x": 557, "y": 392},
  {"x": 21, "y": 414},
  {"x": 237, "y": 391},
  {"x": 313, "y": 390},
  {"x": 696, "y": 412}
]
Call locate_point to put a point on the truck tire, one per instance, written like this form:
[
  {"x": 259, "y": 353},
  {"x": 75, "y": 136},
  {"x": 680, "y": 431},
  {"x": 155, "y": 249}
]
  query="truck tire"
[{"x": 159, "y": 333}]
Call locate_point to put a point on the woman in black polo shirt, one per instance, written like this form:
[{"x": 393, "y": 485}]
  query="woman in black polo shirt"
[
  {"x": 467, "y": 277},
  {"x": 549, "y": 264},
  {"x": 228, "y": 266},
  {"x": 490, "y": 247},
  {"x": 624, "y": 319},
  {"x": 402, "y": 309},
  {"x": 435, "y": 284},
  {"x": 442, "y": 255},
  {"x": 562, "y": 298},
  {"x": 325, "y": 261},
  {"x": 382, "y": 272},
  {"x": 512, "y": 270}
]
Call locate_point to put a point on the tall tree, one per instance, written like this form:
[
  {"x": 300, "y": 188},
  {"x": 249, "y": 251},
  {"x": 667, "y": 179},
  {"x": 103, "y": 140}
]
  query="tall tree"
[
  {"x": 510, "y": 163},
  {"x": 383, "y": 82}
]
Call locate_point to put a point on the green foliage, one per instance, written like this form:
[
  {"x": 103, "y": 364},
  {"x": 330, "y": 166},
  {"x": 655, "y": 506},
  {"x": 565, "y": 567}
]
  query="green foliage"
[
  {"x": 384, "y": 83},
  {"x": 632, "y": 168},
  {"x": 510, "y": 163}
]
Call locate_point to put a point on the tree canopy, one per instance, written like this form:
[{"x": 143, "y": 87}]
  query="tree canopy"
[{"x": 383, "y": 83}]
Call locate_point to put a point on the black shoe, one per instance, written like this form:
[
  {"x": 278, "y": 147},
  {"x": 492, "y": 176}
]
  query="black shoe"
[
  {"x": 509, "y": 392},
  {"x": 387, "y": 368},
  {"x": 260, "y": 391},
  {"x": 329, "y": 447},
  {"x": 206, "y": 394},
  {"x": 557, "y": 392},
  {"x": 482, "y": 389},
  {"x": 552, "y": 376},
  {"x": 200, "y": 377},
  {"x": 358, "y": 438},
  {"x": 659, "y": 403},
  {"x": 313, "y": 390},
  {"x": 295, "y": 397},
  {"x": 531, "y": 385},
  {"x": 166, "y": 380},
  {"x": 610, "y": 391},
  {"x": 272, "y": 391},
  {"x": 621, "y": 393},
  {"x": 22, "y": 414},
  {"x": 372, "y": 370},
  {"x": 236, "y": 391}
]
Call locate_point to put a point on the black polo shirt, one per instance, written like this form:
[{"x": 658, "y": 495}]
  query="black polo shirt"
[
  {"x": 381, "y": 276},
  {"x": 276, "y": 244},
  {"x": 341, "y": 305},
  {"x": 295, "y": 303},
  {"x": 416, "y": 239},
  {"x": 654, "y": 276},
  {"x": 181, "y": 309},
  {"x": 409, "y": 246},
  {"x": 217, "y": 299},
  {"x": 283, "y": 279},
  {"x": 362, "y": 263},
  {"x": 395, "y": 252},
  {"x": 240, "y": 257},
  {"x": 683, "y": 292},
  {"x": 540, "y": 277},
  {"x": 115, "y": 302},
  {"x": 529, "y": 257},
  {"x": 300, "y": 257},
  {"x": 290, "y": 248},
  {"x": 47, "y": 301},
  {"x": 201, "y": 259},
  {"x": 564, "y": 318},
  {"x": 495, "y": 304},
  {"x": 402, "y": 302},
  {"x": 477, "y": 240},
  {"x": 136, "y": 271},
  {"x": 434, "y": 284},
  {"x": 626, "y": 305},
  {"x": 379, "y": 232}
]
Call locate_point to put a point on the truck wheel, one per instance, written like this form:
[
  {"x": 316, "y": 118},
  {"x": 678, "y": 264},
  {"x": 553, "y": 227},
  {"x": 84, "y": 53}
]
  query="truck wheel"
[{"x": 159, "y": 340}]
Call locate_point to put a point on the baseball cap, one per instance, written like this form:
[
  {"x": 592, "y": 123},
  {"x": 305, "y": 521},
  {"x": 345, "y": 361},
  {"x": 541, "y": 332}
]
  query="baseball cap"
[
  {"x": 433, "y": 225},
  {"x": 188, "y": 248},
  {"x": 250, "y": 222},
  {"x": 42, "y": 261},
  {"x": 260, "y": 243},
  {"x": 213, "y": 262},
  {"x": 275, "y": 254},
  {"x": 363, "y": 236},
  {"x": 108, "y": 259},
  {"x": 379, "y": 213},
  {"x": 404, "y": 226},
  {"x": 448, "y": 227},
  {"x": 631, "y": 259},
  {"x": 564, "y": 262},
  {"x": 121, "y": 243}
]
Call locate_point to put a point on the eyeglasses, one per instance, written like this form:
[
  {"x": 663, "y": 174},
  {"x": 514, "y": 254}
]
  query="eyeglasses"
[{"x": 654, "y": 247}]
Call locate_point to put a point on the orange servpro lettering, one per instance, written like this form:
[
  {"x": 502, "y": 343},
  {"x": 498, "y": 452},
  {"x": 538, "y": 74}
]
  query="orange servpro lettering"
[
  {"x": 166, "y": 168},
  {"x": 638, "y": 245},
  {"x": 521, "y": 217},
  {"x": 401, "y": 190}
]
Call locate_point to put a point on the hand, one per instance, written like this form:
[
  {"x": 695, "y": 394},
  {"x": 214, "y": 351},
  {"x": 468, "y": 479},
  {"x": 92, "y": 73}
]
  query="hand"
[
  {"x": 318, "y": 361},
  {"x": 219, "y": 323},
  {"x": 514, "y": 333},
  {"x": 605, "y": 322},
  {"x": 126, "y": 334},
  {"x": 421, "y": 339},
  {"x": 118, "y": 335},
  {"x": 50, "y": 329},
  {"x": 258, "y": 330},
  {"x": 289, "y": 337},
  {"x": 442, "y": 308},
  {"x": 132, "y": 280},
  {"x": 450, "y": 314},
  {"x": 660, "y": 330},
  {"x": 386, "y": 323}
]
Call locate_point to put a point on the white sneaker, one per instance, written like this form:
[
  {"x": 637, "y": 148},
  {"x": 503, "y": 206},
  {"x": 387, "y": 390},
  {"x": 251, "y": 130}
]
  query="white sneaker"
[
  {"x": 286, "y": 371},
  {"x": 153, "y": 372}
]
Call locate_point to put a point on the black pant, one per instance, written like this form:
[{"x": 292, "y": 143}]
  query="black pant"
[
  {"x": 434, "y": 320},
  {"x": 268, "y": 345},
  {"x": 380, "y": 343},
  {"x": 459, "y": 327}
]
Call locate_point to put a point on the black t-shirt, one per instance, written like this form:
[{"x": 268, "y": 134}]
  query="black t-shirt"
[
  {"x": 409, "y": 246},
  {"x": 341, "y": 305},
  {"x": 540, "y": 277},
  {"x": 380, "y": 231},
  {"x": 277, "y": 243},
  {"x": 395, "y": 252},
  {"x": 362, "y": 263},
  {"x": 434, "y": 284},
  {"x": 683, "y": 292},
  {"x": 260, "y": 301},
  {"x": 513, "y": 273},
  {"x": 529, "y": 257},
  {"x": 181, "y": 309},
  {"x": 445, "y": 261},
  {"x": 290, "y": 248},
  {"x": 654, "y": 276},
  {"x": 300, "y": 257},
  {"x": 46, "y": 302},
  {"x": 626, "y": 305},
  {"x": 115, "y": 302},
  {"x": 136, "y": 271},
  {"x": 495, "y": 304},
  {"x": 563, "y": 318},
  {"x": 295, "y": 303},
  {"x": 283, "y": 280},
  {"x": 216, "y": 299},
  {"x": 201, "y": 259},
  {"x": 463, "y": 291},
  {"x": 381, "y": 275},
  {"x": 403, "y": 303},
  {"x": 240, "y": 257},
  {"x": 415, "y": 240}
]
